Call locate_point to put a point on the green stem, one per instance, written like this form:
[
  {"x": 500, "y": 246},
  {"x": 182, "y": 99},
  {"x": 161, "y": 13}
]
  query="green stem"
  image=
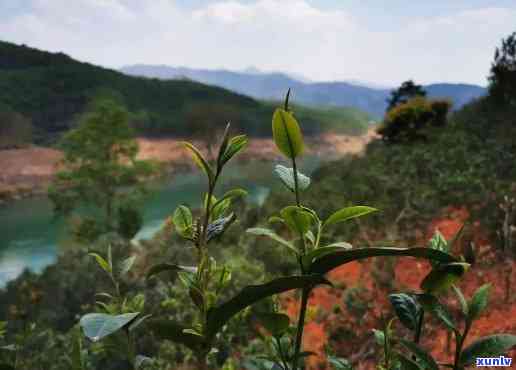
[
  {"x": 419, "y": 328},
  {"x": 296, "y": 186},
  {"x": 460, "y": 339},
  {"x": 281, "y": 353},
  {"x": 300, "y": 326}
]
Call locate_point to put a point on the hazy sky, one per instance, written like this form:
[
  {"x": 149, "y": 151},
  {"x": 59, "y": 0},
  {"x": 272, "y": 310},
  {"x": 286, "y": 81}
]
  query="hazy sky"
[{"x": 429, "y": 41}]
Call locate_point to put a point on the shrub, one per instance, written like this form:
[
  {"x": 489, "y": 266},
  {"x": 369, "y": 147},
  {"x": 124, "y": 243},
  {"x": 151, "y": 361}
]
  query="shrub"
[{"x": 407, "y": 121}]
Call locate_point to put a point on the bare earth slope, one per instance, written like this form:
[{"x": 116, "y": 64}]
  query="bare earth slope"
[{"x": 29, "y": 171}]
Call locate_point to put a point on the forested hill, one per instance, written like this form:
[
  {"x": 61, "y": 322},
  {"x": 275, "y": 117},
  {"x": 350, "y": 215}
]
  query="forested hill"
[
  {"x": 52, "y": 88},
  {"x": 264, "y": 85}
]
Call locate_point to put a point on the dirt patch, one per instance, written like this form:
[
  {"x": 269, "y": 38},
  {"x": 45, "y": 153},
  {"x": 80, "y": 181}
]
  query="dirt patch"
[{"x": 29, "y": 171}]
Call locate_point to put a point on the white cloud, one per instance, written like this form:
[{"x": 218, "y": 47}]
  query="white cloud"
[{"x": 289, "y": 35}]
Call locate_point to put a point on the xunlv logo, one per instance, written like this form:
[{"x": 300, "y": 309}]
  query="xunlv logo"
[{"x": 494, "y": 361}]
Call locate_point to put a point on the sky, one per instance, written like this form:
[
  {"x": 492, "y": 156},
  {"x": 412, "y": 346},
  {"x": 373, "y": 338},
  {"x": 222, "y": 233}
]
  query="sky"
[{"x": 378, "y": 41}]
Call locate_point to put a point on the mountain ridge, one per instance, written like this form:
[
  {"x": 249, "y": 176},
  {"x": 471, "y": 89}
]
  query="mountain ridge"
[{"x": 272, "y": 86}]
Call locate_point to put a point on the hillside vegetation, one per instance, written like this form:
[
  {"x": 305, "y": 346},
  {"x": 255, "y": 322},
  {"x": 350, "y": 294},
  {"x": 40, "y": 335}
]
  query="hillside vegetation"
[
  {"x": 52, "y": 89},
  {"x": 338, "y": 93}
]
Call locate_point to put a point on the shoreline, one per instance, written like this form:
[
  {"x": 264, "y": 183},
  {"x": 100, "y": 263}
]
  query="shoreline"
[{"x": 28, "y": 172}]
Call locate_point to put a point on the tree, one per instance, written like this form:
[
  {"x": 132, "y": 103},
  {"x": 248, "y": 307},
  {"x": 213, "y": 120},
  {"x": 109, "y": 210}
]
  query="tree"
[
  {"x": 502, "y": 79},
  {"x": 408, "y": 121},
  {"x": 405, "y": 92},
  {"x": 101, "y": 169}
]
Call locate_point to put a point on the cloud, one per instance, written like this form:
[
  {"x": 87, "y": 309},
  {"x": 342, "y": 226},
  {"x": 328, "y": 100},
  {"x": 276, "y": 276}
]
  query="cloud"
[{"x": 288, "y": 35}]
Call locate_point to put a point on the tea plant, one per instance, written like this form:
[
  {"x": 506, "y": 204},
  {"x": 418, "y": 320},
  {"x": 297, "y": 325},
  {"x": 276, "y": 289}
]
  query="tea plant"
[
  {"x": 205, "y": 281},
  {"x": 314, "y": 254},
  {"x": 410, "y": 308}
]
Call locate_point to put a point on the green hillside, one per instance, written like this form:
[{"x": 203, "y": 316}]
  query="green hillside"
[{"x": 52, "y": 88}]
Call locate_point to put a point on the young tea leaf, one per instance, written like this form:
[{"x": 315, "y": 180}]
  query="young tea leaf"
[
  {"x": 286, "y": 176},
  {"x": 99, "y": 325},
  {"x": 200, "y": 161},
  {"x": 297, "y": 219},
  {"x": 443, "y": 276},
  {"x": 348, "y": 213},
  {"x": 104, "y": 265},
  {"x": 162, "y": 267},
  {"x": 286, "y": 133},
  {"x": 493, "y": 345},
  {"x": 407, "y": 309},
  {"x": 217, "y": 228},
  {"x": 183, "y": 221},
  {"x": 478, "y": 302},
  {"x": 235, "y": 145},
  {"x": 431, "y": 304},
  {"x": 425, "y": 359},
  {"x": 272, "y": 235}
]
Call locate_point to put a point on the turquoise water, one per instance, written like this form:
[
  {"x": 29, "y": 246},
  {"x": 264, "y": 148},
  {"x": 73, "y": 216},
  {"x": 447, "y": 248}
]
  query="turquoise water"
[{"x": 30, "y": 237}]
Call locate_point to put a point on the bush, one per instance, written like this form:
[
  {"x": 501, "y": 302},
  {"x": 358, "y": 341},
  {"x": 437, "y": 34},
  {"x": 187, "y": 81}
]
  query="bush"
[{"x": 408, "y": 121}]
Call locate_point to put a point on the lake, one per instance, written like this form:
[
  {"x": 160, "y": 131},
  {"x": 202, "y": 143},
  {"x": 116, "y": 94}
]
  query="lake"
[{"x": 31, "y": 238}]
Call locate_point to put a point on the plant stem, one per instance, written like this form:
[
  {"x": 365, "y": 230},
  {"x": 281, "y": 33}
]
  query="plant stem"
[
  {"x": 419, "y": 328},
  {"x": 281, "y": 353},
  {"x": 460, "y": 339},
  {"x": 296, "y": 186},
  {"x": 300, "y": 326}
]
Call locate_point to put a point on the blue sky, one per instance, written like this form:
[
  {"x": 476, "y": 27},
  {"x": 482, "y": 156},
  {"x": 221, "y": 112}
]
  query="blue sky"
[{"x": 378, "y": 41}]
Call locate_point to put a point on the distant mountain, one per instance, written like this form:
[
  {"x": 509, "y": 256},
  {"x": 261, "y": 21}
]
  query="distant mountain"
[
  {"x": 52, "y": 89},
  {"x": 261, "y": 85}
]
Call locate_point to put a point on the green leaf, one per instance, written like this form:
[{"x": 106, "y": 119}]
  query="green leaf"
[
  {"x": 170, "y": 330},
  {"x": 406, "y": 363},
  {"x": 219, "y": 315},
  {"x": 235, "y": 145},
  {"x": 407, "y": 309},
  {"x": 99, "y": 325},
  {"x": 276, "y": 323},
  {"x": 425, "y": 359},
  {"x": 348, "y": 213},
  {"x": 218, "y": 227},
  {"x": 286, "y": 176},
  {"x": 339, "y": 363},
  {"x": 297, "y": 219},
  {"x": 314, "y": 254},
  {"x": 161, "y": 267},
  {"x": 431, "y": 304},
  {"x": 183, "y": 221},
  {"x": 141, "y": 361},
  {"x": 272, "y": 235},
  {"x": 463, "y": 304},
  {"x": 493, "y": 345},
  {"x": 136, "y": 323},
  {"x": 232, "y": 194},
  {"x": 438, "y": 242},
  {"x": 223, "y": 146},
  {"x": 104, "y": 265},
  {"x": 287, "y": 134},
  {"x": 126, "y": 265},
  {"x": 443, "y": 276},
  {"x": 379, "y": 337},
  {"x": 478, "y": 302},
  {"x": 200, "y": 161},
  {"x": 336, "y": 259}
]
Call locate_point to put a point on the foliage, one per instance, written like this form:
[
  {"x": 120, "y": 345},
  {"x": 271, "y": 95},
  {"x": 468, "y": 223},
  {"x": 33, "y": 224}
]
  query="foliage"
[
  {"x": 101, "y": 169},
  {"x": 502, "y": 80},
  {"x": 51, "y": 89},
  {"x": 410, "y": 308},
  {"x": 407, "y": 91},
  {"x": 410, "y": 120}
]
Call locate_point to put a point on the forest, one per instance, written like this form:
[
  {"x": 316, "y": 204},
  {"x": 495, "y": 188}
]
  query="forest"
[{"x": 402, "y": 257}]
